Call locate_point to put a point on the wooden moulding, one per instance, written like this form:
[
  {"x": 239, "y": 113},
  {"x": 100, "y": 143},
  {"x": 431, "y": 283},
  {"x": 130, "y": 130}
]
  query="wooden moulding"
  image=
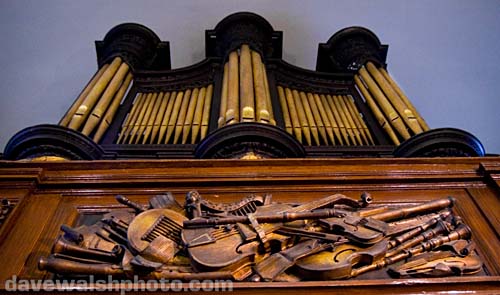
[{"x": 64, "y": 191}]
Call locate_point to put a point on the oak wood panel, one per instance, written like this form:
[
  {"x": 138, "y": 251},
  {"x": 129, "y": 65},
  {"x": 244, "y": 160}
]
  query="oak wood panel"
[
  {"x": 65, "y": 213},
  {"x": 492, "y": 171},
  {"x": 16, "y": 197},
  {"x": 25, "y": 233},
  {"x": 482, "y": 233},
  {"x": 65, "y": 190},
  {"x": 485, "y": 198}
]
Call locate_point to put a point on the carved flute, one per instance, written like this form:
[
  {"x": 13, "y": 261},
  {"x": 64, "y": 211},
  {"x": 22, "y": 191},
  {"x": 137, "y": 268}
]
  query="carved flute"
[
  {"x": 461, "y": 232},
  {"x": 268, "y": 218}
]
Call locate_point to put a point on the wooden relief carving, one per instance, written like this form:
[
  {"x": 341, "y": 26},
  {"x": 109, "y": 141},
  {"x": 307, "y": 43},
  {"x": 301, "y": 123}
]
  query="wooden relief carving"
[{"x": 257, "y": 239}]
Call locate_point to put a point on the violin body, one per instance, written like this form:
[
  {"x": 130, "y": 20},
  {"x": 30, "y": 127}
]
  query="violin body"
[
  {"x": 338, "y": 263},
  {"x": 231, "y": 247},
  {"x": 228, "y": 246}
]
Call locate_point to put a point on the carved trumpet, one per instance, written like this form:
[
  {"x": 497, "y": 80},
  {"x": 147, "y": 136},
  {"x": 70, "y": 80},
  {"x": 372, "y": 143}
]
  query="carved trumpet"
[
  {"x": 68, "y": 267},
  {"x": 64, "y": 247}
]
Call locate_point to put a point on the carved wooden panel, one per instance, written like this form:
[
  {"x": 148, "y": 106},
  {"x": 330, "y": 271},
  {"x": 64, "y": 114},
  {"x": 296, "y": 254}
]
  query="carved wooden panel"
[{"x": 51, "y": 194}]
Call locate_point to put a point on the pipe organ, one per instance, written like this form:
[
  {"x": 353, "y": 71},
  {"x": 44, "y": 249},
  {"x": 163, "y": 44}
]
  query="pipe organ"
[
  {"x": 384, "y": 225},
  {"x": 242, "y": 101}
]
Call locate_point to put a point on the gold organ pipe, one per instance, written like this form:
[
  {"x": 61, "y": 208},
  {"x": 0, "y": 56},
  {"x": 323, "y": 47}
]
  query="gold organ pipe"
[
  {"x": 331, "y": 118},
  {"x": 152, "y": 117},
  {"x": 90, "y": 100},
  {"x": 358, "y": 119},
  {"x": 182, "y": 113},
  {"x": 348, "y": 116},
  {"x": 110, "y": 113},
  {"x": 294, "y": 114},
  {"x": 198, "y": 113},
  {"x": 335, "y": 118},
  {"x": 284, "y": 108},
  {"x": 309, "y": 116},
  {"x": 174, "y": 114},
  {"x": 405, "y": 113},
  {"x": 317, "y": 117},
  {"x": 376, "y": 111},
  {"x": 146, "y": 119},
  {"x": 302, "y": 116},
  {"x": 206, "y": 111},
  {"x": 405, "y": 99},
  {"x": 224, "y": 96},
  {"x": 268, "y": 95},
  {"x": 343, "y": 129},
  {"x": 188, "y": 121},
  {"x": 159, "y": 116},
  {"x": 387, "y": 108},
  {"x": 106, "y": 98},
  {"x": 247, "y": 111},
  {"x": 71, "y": 111},
  {"x": 343, "y": 118},
  {"x": 324, "y": 117},
  {"x": 245, "y": 93},
  {"x": 166, "y": 117},
  {"x": 354, "y": 119},
  {"x": 137, "y": 123},
  {"x": 232, "y": 112},
  {"x": 261, "y": 107},
  {"x": 126, "y": 126}
]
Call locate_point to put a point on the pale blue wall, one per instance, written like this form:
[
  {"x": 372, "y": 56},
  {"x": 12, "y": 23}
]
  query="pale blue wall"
[{"x": 444, "y": 54}]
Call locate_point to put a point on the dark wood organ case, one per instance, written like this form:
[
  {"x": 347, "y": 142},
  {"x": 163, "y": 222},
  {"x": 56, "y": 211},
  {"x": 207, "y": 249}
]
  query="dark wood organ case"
[{"x": 242, "y": 100}]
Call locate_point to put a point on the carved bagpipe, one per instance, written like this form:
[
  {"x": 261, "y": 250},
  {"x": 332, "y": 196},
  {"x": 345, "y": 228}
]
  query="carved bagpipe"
[
  {"x": 255, "y": 239},
  {"x": 242, "y": 101}
]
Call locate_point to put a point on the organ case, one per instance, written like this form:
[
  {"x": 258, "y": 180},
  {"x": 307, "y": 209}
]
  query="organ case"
[{"x": 242, "y": 101}]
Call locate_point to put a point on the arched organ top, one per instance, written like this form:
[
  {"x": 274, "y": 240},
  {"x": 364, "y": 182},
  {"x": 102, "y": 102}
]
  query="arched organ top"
[{"x": 242, "y": 101}]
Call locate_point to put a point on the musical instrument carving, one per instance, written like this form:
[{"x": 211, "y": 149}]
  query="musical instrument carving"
[
  {"x": 254, "y": 239},
  {"x": 241, "y": 249},
  {"x": 156, "y": 234}
]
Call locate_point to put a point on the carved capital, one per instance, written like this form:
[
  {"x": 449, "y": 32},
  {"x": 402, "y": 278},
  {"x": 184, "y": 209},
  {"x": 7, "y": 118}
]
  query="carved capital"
[
  {"x": 349, "y": 49},
  {"x": 244, "y": 28},
  {"x": 137, "y": 45}
]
